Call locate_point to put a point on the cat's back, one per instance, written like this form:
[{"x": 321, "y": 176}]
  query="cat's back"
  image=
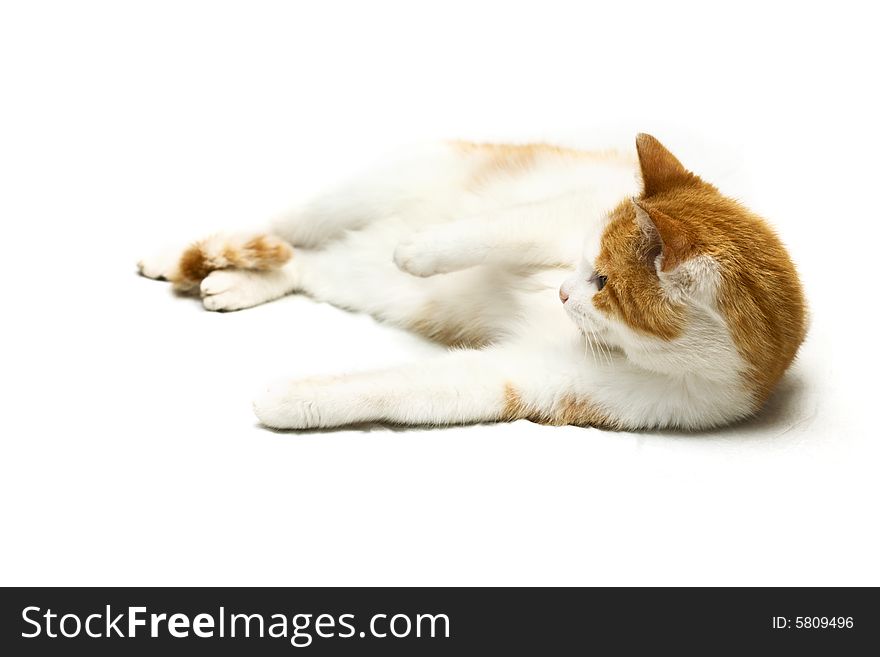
[{"x": 513, "y": 174}]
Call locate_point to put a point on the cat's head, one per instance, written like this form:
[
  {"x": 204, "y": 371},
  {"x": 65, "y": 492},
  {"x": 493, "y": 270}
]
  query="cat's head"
[{"x": 683, "y": 279}]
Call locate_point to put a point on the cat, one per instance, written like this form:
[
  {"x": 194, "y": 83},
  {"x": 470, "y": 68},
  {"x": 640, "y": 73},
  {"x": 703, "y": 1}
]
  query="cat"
[{"x": 678, "y": 308}]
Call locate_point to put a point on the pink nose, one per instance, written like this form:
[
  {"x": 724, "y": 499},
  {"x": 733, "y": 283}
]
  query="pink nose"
[{"x": 563, "y": 295}]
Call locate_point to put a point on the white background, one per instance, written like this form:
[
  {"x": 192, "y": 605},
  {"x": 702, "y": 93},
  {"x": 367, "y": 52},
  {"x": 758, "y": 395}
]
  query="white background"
[{"x": 129, "y": 451}]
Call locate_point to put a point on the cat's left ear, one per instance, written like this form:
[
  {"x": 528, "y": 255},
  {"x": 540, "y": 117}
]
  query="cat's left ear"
[
  {"x": 661, "y": 170},
  {"x": 666, "y": 236}
]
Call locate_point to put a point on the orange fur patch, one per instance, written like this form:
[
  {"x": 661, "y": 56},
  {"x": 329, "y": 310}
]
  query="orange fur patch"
[
  {"x": 263, "y": 253},
  {"x": 762, "y": 299},
  {"x": 569, "y": 410},
  {"x": 513, "y": 159},
  {"x": 259, "y": 253},
  {"x": 193, "y": 267}
]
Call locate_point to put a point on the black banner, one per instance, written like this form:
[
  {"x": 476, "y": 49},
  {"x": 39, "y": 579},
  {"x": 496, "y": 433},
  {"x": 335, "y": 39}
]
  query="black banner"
[{"x": 419, "y": 621}]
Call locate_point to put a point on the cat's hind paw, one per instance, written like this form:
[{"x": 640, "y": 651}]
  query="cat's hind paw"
[
  {"x": 235, "y": 289},
  {"x": 161, "y": 266}
]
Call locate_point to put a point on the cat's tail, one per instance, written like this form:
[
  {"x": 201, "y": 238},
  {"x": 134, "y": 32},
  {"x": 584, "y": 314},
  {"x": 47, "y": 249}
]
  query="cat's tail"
[{"x": 253, "y": 252}]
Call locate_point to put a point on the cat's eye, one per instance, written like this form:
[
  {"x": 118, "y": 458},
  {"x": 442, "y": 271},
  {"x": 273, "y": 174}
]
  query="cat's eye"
[{"x": 600, "y": 281}]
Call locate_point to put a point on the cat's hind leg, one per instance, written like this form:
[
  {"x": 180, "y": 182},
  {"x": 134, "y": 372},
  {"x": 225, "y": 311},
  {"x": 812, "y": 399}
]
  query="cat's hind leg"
[{"x": 247, "y": 252}]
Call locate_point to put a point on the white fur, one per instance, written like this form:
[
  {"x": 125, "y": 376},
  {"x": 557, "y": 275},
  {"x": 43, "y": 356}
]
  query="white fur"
[
  {"x": 420, "y": 237},
  {"x": 162, "y": 265},
  {"x": 233, "y": 289}
]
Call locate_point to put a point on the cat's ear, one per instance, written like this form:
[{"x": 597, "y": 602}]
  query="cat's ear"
[
  {"x": 665, "y": 236},
  {"x": 661, "y": 170}
]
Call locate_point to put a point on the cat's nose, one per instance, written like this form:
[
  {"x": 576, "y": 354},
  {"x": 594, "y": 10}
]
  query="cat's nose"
[{"x": 563, "y": 295}]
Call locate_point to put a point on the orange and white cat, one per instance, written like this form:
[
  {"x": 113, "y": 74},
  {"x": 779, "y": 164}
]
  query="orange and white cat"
[{"x": 677, "y": 308}]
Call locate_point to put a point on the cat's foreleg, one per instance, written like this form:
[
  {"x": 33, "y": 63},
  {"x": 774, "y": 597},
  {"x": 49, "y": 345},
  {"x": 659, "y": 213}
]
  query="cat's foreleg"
[
  {"x": 532, "y": 236},
  {"x": 496, "y": 384},
  {"x": 459, "y": 388}
]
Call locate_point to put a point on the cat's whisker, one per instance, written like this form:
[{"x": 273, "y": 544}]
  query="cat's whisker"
[
  {"x": 586, "y": 333},
  {"x": 601, "y": 344},
  {"x": 610, "y": 356},
  {"x": 589, "y": 334},
  {"x": 606, "y": 352}
]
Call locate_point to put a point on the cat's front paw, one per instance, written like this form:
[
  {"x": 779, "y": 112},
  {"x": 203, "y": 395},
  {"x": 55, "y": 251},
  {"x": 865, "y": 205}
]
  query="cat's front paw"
[
  {"x": 414, "y": 258},
  {"x": 288, "y": 405}
]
